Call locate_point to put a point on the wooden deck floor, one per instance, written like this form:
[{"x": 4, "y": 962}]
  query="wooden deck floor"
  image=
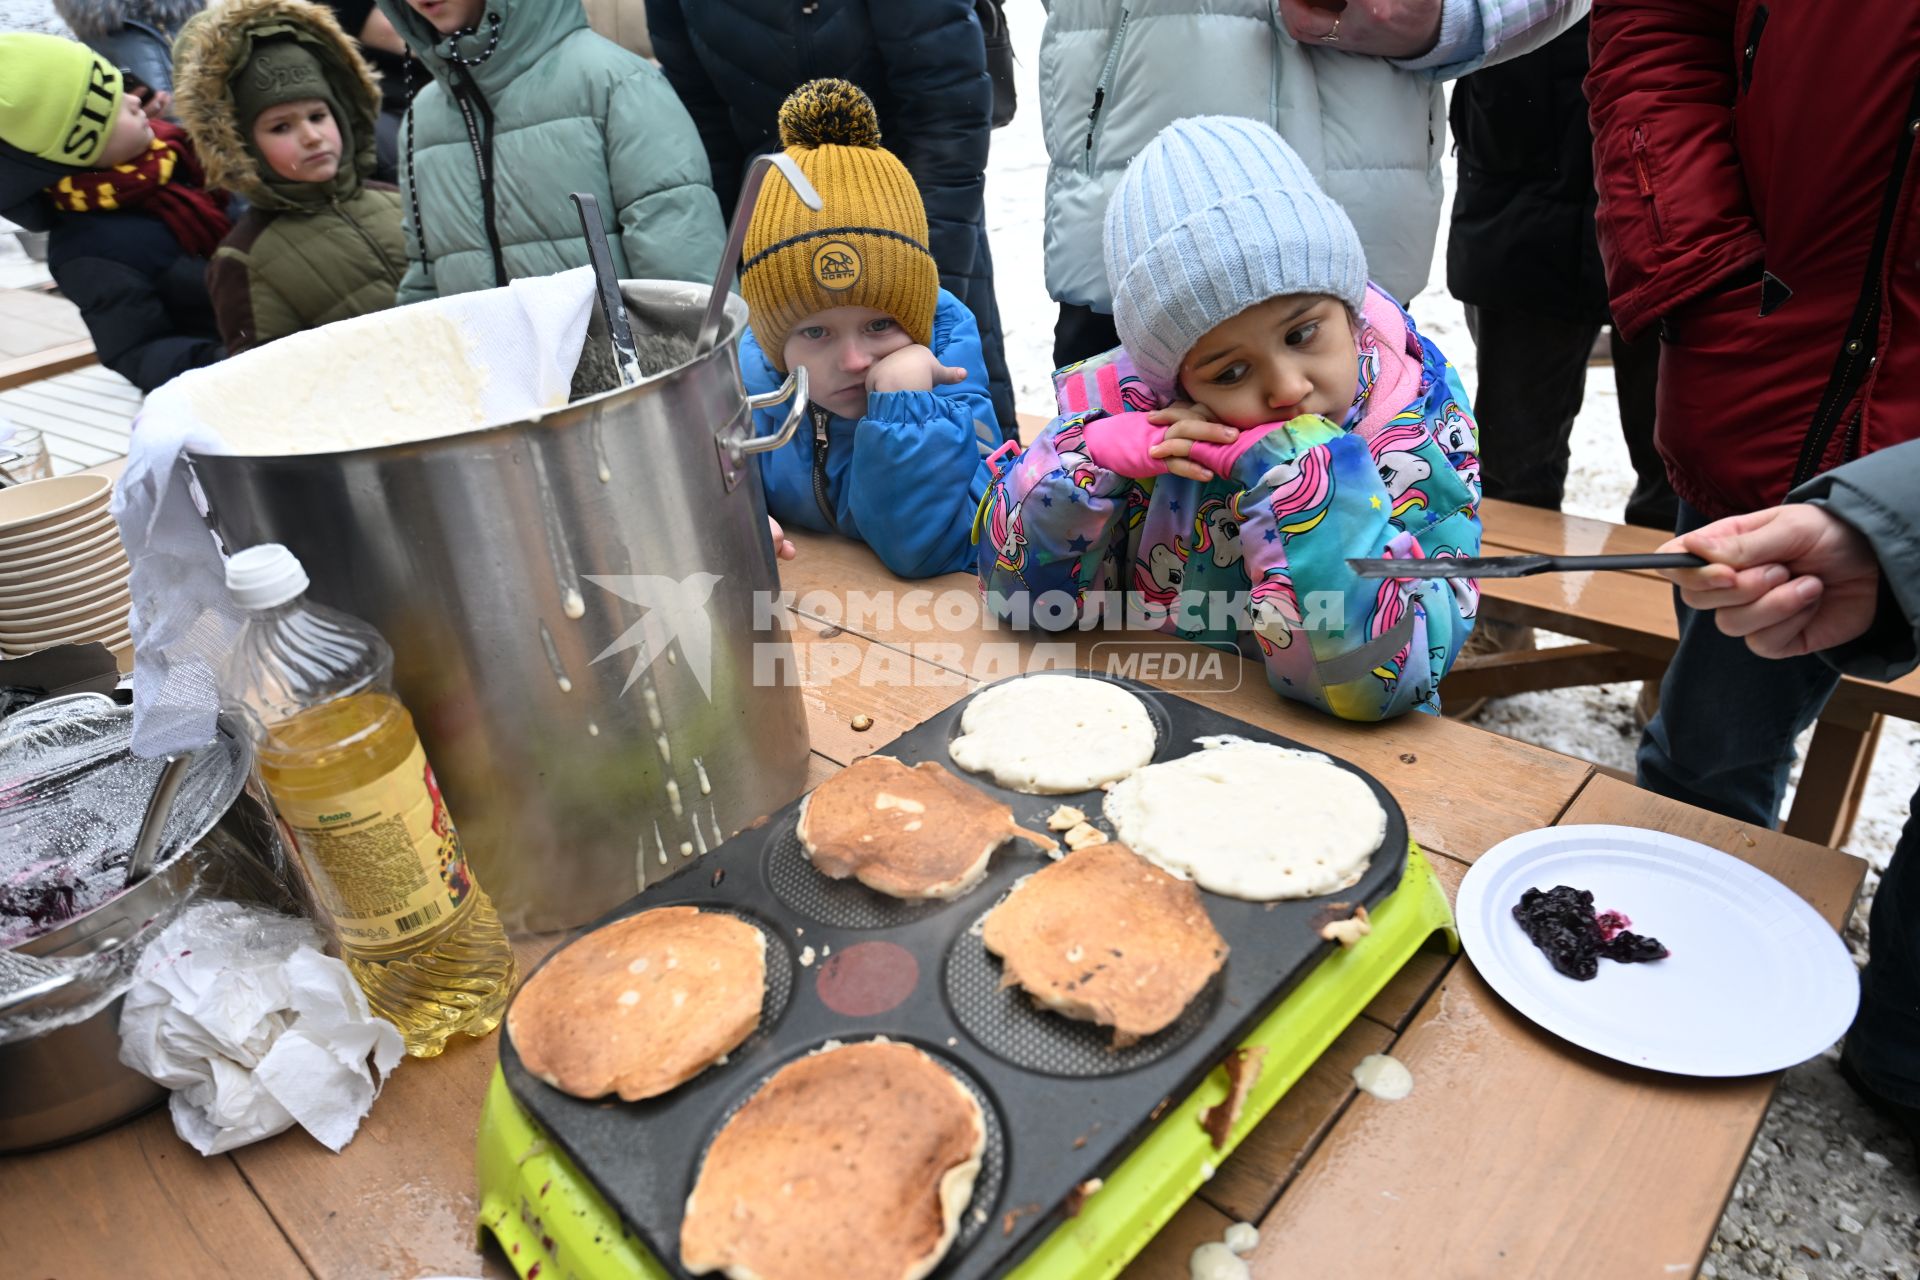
[{"x": 86, "y": 415}]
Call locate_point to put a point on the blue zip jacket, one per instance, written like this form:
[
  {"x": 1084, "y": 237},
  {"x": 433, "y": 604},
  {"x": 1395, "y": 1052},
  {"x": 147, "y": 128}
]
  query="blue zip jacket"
[{"x": 907, "y": 478}]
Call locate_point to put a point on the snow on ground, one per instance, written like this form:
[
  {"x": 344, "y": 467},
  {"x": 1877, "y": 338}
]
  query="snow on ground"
[{"x": 1829, "y": 1191}]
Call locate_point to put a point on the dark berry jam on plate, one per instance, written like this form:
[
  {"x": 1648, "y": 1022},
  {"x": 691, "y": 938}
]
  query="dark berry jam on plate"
[{"x": 1561, "y": 922}]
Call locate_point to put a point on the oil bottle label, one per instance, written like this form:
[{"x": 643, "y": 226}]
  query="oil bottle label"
[{"x": 384, "y": 858}]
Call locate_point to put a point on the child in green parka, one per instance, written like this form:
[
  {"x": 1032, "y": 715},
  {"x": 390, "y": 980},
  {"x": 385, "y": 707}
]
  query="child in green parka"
[
  {"x": 527, "y": 105},
  {"x": 282, "y": 108}
]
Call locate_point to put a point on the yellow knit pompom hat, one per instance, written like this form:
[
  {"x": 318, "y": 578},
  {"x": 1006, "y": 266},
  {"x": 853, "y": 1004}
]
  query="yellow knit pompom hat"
[
  {"x": 58, "y": 98},
  {"x": 867, "y": 244}
]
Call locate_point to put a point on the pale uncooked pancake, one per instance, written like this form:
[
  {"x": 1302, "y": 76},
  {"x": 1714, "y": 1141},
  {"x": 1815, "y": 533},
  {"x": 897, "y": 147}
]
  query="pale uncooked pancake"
[
  {"x": 909, "y": 833},
  {"x": 1047, "y": 735},
  {"x": 854, "y": 1162},
  {"x": 1251, "y": 820},
  {"x": 1105, "y": 936},
  {"x": 642, "y": 1005},
  {"x": 289, "y": 398}
]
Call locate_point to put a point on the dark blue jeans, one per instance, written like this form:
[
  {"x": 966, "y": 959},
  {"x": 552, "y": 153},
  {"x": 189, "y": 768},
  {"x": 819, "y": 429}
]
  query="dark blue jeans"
[
  {"x": 1723, "y": 737},
  {"x": 1723, "y": 740},
  {"x": 1884, "y": 1043}
]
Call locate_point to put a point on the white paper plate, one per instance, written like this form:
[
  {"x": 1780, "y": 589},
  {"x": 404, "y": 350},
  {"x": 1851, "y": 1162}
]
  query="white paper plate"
[{"x": 1755, "y": 980}]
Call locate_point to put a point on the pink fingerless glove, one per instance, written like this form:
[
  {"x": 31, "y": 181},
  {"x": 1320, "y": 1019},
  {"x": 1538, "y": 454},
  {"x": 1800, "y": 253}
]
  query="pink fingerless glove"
[
  {"x": 1220, "y": 458},
  {"x": 1123, "y": 443}
]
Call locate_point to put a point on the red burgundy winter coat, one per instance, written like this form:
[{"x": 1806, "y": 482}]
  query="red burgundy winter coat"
[{"x": 1760, "y": 202}]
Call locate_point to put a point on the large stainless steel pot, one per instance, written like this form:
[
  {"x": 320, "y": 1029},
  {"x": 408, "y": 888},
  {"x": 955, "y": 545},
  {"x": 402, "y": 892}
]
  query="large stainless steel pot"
[{"x": 571, "y": 603}]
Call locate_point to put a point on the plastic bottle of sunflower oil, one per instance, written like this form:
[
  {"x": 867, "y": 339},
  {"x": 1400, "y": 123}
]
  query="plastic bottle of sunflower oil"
[{"x": 361, "y": 810}]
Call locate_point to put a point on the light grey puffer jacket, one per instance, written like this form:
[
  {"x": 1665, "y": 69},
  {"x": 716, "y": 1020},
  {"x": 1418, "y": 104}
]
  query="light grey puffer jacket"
[
  {"x": 1113, "y": 73},
  {"x": 1877, "y": 495}
]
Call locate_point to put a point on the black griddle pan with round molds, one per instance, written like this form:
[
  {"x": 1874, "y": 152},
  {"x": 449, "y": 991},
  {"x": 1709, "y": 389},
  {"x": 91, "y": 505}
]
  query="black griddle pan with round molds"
[{"x": 1061, "y": 1105}]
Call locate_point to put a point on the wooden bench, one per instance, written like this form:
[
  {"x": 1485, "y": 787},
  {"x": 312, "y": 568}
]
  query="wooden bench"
[
  {"x": 41, "y": 336},
  {"x": 1627, "y": 622}
]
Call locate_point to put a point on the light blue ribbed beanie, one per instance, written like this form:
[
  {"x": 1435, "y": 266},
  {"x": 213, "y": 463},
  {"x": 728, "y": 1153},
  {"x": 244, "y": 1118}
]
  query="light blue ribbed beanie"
[{"x": 1214, "y": 215}]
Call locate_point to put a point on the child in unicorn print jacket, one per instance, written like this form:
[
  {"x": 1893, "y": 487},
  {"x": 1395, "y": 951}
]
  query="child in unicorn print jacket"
[{"x": 1270, "y": 415}]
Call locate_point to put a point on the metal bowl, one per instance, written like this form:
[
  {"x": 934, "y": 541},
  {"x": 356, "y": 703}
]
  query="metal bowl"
[{"x": 68, "y": 1081}]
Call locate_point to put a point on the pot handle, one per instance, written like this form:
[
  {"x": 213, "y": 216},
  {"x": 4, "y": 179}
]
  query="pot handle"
[
  {"x": 796, "y": 387},
  {"x": 734, "y": 449}
]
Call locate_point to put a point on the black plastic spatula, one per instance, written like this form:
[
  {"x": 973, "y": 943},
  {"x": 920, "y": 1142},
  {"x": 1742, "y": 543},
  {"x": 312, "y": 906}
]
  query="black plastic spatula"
[
  {"x": 1517, "y": 566},
  {"x": 626, "y": 358}
]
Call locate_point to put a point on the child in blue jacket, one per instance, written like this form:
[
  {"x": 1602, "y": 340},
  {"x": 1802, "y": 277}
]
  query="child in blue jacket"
[
  {"x": 1270, "y": 415},
  {"x": 894, "y": 449}
]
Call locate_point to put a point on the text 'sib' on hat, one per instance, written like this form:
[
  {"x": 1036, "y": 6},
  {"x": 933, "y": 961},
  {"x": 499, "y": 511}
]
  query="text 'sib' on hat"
[{"x": 58, "y": 98}]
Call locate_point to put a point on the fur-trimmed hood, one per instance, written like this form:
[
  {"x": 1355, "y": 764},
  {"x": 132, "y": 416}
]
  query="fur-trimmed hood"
[{"x": 218, "y": 42}]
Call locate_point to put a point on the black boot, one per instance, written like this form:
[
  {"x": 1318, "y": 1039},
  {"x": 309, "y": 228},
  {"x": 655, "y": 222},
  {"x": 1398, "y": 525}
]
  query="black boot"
[{"x": 1905, "y": 1118}]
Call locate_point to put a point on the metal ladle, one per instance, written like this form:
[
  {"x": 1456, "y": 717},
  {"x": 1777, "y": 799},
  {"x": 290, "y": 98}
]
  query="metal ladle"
[
  {"x": 154, "y": 825},
  {"x": 737, "y": 237},
  {"x": 626, "y": 355}
]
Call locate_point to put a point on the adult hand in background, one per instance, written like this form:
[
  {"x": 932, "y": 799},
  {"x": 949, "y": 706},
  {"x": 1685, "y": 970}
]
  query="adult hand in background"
[
  {"x": 1792, "y": 579},
  {"x": 1380, "y": 28}
]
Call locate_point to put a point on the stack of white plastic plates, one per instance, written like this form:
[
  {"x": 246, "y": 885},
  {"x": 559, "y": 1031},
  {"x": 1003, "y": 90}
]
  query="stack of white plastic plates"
[{"x": 63, "y": 572}]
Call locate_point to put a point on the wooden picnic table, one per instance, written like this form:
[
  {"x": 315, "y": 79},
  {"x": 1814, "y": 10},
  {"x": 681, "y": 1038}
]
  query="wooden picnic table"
[
  {"x": 40, "y": 336},
  {"x": 1517, "y": 1154}
]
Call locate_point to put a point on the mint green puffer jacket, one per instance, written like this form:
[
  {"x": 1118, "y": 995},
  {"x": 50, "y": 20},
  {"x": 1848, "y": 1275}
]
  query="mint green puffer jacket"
[{"x": 509, "y": 127}]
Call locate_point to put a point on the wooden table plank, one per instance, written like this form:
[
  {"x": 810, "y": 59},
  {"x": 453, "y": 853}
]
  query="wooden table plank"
[
  {"x": 1524, "y": 528},
  {"x": 400, "y": 1199},
  {"x": 32, "y": 321},
  {"x": 1603, "y": 1170},
  {"x": 61, "y": 358},
  {"x": 1267, "y": 1158},
  {"x": 1595, "y": 1143},
  {"x": 137, "y": 1200},
  {"x": 1165, "y": 1258},
  {"x": 1618, "y": 609},
  {"x": 851, "y": 676}
]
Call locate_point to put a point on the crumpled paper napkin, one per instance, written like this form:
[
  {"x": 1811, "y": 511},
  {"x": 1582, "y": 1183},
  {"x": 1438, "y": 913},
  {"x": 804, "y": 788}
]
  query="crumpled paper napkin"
[{"x": 239, "y": 1011}]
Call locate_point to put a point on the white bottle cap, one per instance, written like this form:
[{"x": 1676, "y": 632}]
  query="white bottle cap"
[{"x": 265, "y": 576}]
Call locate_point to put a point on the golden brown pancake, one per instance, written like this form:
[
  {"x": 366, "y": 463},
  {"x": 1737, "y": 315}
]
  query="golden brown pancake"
[
  {"x": 909, "y": 833},
  {"x": 1105, "y": 936},
  {"x": 643, "y": 1004},
  {"x": 854, "y": 1162}
]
